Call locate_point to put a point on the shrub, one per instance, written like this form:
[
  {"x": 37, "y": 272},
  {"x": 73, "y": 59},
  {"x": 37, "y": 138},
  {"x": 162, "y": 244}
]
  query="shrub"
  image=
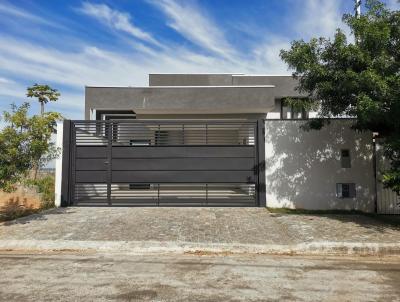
[{"x": 45, "y": 186}]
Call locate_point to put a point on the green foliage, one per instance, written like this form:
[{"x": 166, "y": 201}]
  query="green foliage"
[
  {"x": 360, "y": 79},
  {"x": 42, "y": 149},
  {"x": 391, "y": 178},
  {"x": 15, "y": 158},
  {"x": 45, "y": 186},
  {"x": 298, "y": 104},
  {"x": 25, "y": 143},
  {"x": 313, "y": 212},
  {"x": 44, "y": 94},
  {"x": 314, "y": 124}
]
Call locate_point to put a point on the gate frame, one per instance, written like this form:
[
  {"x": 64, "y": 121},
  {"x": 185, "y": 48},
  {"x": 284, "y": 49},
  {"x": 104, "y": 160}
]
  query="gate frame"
[{"x": 68, "y": 165}]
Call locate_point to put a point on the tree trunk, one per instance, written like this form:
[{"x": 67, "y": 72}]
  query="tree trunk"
[
  {"x": 41, "y": 108},
  {"x": 35, "y": 171}
]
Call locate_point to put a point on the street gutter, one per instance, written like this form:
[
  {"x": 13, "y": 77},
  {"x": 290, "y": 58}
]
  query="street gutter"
[{"x": 156, "y": 247}]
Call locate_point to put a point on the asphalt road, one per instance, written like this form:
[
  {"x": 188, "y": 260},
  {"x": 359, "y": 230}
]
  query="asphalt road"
[{"x": 93, "y": 277}]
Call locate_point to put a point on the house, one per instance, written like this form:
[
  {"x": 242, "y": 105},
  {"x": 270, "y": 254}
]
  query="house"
[{"x": 211, "y": 140}]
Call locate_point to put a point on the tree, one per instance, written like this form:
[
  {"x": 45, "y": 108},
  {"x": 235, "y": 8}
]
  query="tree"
[
  {"x": 42, "y": 149},
  {"x": 15, "y": 158},
  {"x": 44, "y": 94},
  {"x": 360, "y": 79},
  {"x": 25, "y": 143}
]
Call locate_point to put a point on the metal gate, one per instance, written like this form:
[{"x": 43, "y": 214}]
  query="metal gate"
[
  {"x": 388, "y": 201},
  {"x": 160, "y": 163}
]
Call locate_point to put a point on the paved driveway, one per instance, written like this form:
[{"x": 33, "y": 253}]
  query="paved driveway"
[{"x": 197, "y": 225}]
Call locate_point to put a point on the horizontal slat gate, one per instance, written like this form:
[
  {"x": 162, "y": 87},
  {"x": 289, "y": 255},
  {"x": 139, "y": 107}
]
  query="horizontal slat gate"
[{"x": 141, "y": 162}]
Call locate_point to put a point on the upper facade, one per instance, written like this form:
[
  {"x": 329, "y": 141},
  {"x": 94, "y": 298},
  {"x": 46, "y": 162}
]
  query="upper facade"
[{"x": 194, "y": 94}]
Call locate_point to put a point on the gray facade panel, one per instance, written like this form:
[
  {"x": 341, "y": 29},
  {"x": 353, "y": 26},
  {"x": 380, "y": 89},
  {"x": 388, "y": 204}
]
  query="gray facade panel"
[
  {"x": 181, "y": 100},
  {"x": 285, "y": 86},
  {"x": 91, "y": 152},
  {"x": 190, "y": 79},
  {"x": 91, "y": 176},
  {"x": 91, "y": 164},
  {"x": 183, "y": 151},
  {"x": 155, "y": 164},
  {"x": 180, "y": 164},
  {"x": 183, "y": 177}
]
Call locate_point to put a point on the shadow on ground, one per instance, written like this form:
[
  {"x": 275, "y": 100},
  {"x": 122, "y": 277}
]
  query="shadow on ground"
[
  {"x": 378, "y": 223},
  {"x": 374, "y": 222},
  {"x": 13, "y": 212}
]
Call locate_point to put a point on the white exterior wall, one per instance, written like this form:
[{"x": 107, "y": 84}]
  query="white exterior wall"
[
  {"x": 58, "y": 176},
  {"x": 302, "y": 168}
]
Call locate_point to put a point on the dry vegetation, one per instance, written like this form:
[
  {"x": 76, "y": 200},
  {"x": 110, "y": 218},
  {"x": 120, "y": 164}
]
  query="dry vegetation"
[{"x": 27, "y": 199}]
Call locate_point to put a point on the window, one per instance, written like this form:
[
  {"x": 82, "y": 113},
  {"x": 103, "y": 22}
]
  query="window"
[
  {"x": 139, "y": 186},
  {"x": 345, "y": 190},
  {"x": 161, "y": 137},
  {"x": 290, "y": 113},
  {"x": 139, "y": 142},
  {"x": 115, "y": 115},
  {"x": 345, "y": 159}
]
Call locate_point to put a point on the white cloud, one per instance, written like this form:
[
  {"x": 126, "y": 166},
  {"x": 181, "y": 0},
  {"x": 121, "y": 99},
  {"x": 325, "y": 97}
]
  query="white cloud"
[
  {"x": 192, "y": 23},
  {"x": 5, "y": 81},
  {"x": 266, "y": 56},
  {"x": 11, "y": 10},
  {"x": 116, "y": 20},
  {"x": 94, "y": 65},
  {"x": 393, "y": 4},
  {"x": 319, "y": 18}
]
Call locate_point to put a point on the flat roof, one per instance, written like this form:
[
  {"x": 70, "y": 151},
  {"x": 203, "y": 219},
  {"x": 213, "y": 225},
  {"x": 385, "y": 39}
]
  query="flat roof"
[
  {"x": 235, "y": 74},
  {"x": 150, "y": 87},
  {"x": 205, "y": 73},
  {"x": 261, "y": 75}
]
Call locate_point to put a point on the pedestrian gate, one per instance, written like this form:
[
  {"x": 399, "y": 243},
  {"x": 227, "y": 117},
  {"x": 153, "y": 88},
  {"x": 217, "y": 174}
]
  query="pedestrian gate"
[{"x": 160, "y": 163}]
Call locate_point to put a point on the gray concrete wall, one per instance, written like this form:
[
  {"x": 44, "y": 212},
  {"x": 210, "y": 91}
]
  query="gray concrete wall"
[
  {"x": 182, "y": 100},
  {"x": 190, "y": 79},
  {"x": 302, "y": 168},
  {"x": 244, "y": 116},
  {"x": 178, "y": 94},
  {"x": 284, "y": 85}
]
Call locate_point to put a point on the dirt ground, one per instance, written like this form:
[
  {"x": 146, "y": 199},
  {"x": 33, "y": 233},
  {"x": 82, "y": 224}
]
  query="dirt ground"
[
  {"x": 75, "y": 277},
  {"x": 22, "y": 199}
]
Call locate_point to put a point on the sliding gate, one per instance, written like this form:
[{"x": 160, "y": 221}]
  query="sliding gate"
[{"x": 160, "y": 163}]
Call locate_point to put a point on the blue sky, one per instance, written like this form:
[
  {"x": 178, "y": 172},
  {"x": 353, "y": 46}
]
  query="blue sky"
[{"x": 70, "y": 44}]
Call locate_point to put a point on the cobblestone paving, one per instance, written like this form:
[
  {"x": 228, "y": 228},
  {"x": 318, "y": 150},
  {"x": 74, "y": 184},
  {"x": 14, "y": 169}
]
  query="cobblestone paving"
[{"x": 216, "y": 225}]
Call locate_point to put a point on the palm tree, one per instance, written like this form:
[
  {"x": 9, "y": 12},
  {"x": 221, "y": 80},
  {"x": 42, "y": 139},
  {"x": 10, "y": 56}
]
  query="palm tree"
[{"x": 44, "y": 93}]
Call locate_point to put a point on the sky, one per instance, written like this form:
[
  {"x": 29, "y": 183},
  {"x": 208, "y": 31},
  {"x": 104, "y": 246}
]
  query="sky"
[{"x": 72, "y": 44}]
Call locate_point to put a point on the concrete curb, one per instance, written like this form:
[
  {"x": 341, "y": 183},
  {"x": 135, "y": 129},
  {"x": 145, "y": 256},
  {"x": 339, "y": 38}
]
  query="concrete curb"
[{"x": 156, "y": 247}]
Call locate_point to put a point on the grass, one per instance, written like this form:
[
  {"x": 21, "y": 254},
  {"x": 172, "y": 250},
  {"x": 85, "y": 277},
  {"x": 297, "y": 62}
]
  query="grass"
[
  {"x": 11, "y": 213},
  {"x": 45, "y": 187},
  {"x": 314, "y": 212}
]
